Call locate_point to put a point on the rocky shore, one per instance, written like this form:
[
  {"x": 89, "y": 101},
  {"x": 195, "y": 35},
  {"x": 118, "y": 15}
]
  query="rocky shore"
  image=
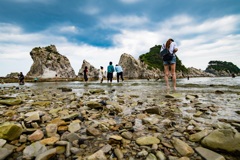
[{"x": 59, "y": 123}]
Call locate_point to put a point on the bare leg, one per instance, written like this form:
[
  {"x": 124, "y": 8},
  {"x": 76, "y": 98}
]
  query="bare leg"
[
  {"x": 166, "y": 73},
  {"x": 173, "y": 68}
]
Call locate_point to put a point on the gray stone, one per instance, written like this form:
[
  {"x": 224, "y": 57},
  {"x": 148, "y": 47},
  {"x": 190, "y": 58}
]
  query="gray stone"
[
  {"x": 154, "y": 110},
  {"x": 224, "y": 139},
  {"x": 72, "y": 137},
  {"x": 183, "y": 148},
  {"x": 147, "y": 140},
  {"x": 34, "y": 150},
  {"x": 99, "y": 155},
  {"x": 127, "y": 135},
  {"x": 118, "y": 153},
  {"x": 93, "y": 131},
  {"x": 151, "y": 157},
  {"x": 4, "y": 152},
  {"x": 208, "y": 154},
  {"x": 198, "y": 136},
  {"x": 94, "y": 105},
  {"x": 160, "y": 155},
  {"x": 10, "y": 102},
  {"x": 2, "y": 142},
  {"x": 47, "y": 155}
]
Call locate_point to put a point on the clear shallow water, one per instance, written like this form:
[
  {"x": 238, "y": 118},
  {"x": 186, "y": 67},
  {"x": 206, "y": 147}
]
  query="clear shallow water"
[
  {"x": 182, "y": 84},
  {"x": 144, "y": 90}
]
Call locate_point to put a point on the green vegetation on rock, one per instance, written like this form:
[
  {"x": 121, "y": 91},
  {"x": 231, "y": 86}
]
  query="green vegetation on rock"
[
  {"x": 228, "y": 67},
  {"x": 153, "y": 60}
]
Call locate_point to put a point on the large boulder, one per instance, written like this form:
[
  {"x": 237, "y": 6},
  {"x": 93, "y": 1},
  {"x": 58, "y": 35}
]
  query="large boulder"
[
  {"x": 133, "y": 68},
  {"x": 223, "y": 139},
  {"x": 48, "y": 63}
]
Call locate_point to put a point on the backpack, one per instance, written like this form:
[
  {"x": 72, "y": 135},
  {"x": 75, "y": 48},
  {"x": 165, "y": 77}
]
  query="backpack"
[{"x": 166, "y": 55}]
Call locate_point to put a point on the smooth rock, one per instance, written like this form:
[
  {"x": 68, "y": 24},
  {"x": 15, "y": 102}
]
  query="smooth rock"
[{"x": 208, "y": 154}]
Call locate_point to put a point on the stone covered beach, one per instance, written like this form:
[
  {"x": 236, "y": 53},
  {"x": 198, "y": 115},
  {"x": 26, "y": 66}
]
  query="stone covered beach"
[{"x": 119, "y": 121}]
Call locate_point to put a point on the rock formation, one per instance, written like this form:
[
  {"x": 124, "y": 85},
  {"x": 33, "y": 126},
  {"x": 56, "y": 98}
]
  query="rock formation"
[
  {"x": 93, "y": 73},
  {"x": 47, "y": 63},
  {"x": 12, "y": 75},
  {"x": 193, "y": 72},
  {"x": 133, "y": 68}
]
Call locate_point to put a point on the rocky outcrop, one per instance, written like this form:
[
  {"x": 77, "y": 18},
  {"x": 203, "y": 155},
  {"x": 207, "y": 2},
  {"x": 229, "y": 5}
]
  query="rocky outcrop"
[
  {"x": 220, "y": 73},
  {"x": 48, "y": 63},
  {"x": 133, "y": 68},
  {"x": 92, "y": 71},
  {"x": 193, "y": 72},
  {"x": 12, "y": 75}
]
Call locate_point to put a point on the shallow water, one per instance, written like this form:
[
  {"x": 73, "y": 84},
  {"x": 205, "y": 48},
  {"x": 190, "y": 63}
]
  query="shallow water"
[{"x": 146, "y": 90}]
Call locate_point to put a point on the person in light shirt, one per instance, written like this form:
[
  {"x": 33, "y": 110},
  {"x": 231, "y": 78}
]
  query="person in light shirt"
[
  {"x": 172, "y": 47},
  {"x": 119, "y": 71}
]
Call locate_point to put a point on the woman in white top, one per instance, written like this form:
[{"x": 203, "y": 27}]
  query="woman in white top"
[
  {"x": 101, "y": 74},
  {"x": 172, "y": 47}
]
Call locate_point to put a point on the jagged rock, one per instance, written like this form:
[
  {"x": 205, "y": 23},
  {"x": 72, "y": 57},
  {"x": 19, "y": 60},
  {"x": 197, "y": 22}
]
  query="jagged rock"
[
  {"x": 133, "y": 68},
  {"x": 92, "y": 71},
  {"x": 47, "y": 63}
]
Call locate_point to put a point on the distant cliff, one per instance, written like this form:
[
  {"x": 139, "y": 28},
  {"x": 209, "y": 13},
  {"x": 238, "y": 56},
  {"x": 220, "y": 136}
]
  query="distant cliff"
[
  {"x": 48, "y": 63},
  {"x": 220, "y": 68}
]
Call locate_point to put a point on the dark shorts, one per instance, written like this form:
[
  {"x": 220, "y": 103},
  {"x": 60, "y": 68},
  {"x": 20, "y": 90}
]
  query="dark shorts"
[
  {"x": 85, "y": 78},
  {"x": 109, "y": 76},
  {"x": 173, "y": 61}
]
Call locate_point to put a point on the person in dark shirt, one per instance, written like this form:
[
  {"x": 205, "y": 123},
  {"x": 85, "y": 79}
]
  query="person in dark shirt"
[
  {"x": 110, "y": 70},
  {"x": 85, "y": 74},
  {"x": 21, "y": 78}
]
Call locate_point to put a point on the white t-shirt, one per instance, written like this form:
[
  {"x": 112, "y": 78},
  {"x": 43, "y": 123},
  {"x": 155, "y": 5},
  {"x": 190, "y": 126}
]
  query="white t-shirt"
[
  {"x": 173, "y": 45},
  {"x": 101, "y": 73}
]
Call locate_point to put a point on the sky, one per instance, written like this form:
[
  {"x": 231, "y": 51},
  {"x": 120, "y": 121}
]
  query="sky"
[{"x": 100, "y": 31}]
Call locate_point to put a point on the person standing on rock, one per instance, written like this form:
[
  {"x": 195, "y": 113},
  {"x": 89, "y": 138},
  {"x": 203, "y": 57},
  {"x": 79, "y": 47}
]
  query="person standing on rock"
[
  {"x": 172, "y": 47},
  {"x": 101, "y": 74},
  {"x": 85, "y": 74},
  {"x": 119, "y": 71},
  {"x": 110, "y": 70}
]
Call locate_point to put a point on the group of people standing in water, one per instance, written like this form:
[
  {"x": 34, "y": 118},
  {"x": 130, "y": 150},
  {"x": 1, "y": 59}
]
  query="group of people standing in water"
[
  {"x": 109, "y": 73},
  {"x": 169, "y": 66}
]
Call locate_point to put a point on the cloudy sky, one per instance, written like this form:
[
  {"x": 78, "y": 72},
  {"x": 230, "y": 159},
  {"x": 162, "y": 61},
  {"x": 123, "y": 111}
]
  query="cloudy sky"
[{"x": 100, "y": 31}]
